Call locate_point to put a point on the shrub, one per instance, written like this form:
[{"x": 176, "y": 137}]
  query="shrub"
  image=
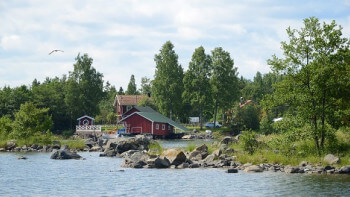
[
  {"x": 249, "y": 141},
  {"x": 155, "y": 148}
]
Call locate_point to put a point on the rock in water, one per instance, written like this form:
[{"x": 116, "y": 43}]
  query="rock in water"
[
  {"x": 345, "y": 170},
  {"x": 22, "y": 157},
  {"x": 254, "y": 168},
  {"x": 64, "y": 154},
  {"x": 175, "y": 157},
  {"x": 232, "y": 170}
]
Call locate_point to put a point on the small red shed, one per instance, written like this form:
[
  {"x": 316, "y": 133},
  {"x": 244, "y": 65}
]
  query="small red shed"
[
  {"x": 151, "y": 123},
  {"x": 124, "y": 103},
  {"x": 85, "y": 120}
]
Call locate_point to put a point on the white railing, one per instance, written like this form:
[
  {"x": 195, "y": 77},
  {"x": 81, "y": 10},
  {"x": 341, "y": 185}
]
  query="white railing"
[{"x": 88, "y": 128}]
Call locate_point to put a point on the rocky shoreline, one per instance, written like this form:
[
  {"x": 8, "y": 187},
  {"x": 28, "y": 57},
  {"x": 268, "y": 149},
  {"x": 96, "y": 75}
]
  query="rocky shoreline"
[{"x": 136, "y": 154}]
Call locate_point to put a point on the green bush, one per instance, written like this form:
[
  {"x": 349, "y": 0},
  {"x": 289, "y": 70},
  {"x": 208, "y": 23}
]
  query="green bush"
[
  {"x": 155, "y": 148},
  {"x": 249, "y": 141}
]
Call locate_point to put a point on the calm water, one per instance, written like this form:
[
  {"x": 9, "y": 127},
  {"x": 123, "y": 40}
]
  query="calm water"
[{"x": 101, "y": 176}]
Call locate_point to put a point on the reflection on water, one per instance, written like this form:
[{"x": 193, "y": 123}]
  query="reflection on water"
[{"x": 101, "y": 176}]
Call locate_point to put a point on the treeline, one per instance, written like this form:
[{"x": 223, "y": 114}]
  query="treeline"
[{"x": 80, "y": 93}]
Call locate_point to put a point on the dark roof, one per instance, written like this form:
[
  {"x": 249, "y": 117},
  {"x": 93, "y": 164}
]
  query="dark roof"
[
  {"x": 157, "y": 117},
  {"x": 86, "y": 117},
  {"x": 128, "y": 99}
]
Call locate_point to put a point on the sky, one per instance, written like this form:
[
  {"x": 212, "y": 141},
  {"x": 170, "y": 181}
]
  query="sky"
[{"x": 122, "y": 36}]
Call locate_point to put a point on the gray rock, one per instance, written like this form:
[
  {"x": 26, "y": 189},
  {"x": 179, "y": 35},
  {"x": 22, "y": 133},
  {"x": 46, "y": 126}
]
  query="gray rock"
[
  {"x": 188, "y": 137},
  {"x": 135, "y": 159},
  {"x": 64, "y": 154},
  {"x": 331, "y": 159},
  {"x": 232, "y": 170},
  {"x": 345, "y": 170},
  {"x": 303, "y": 163},
  {"x": 290, "y": 169},
  {"x": 2, "y": 149},
  {"x": 226, "y": 140},
  {"x": 194, "y": 165},
  {"x": 96, "y": 148},
  {"x": 183, "y": 165},
  {"x": 89, "y": 142},
  {"x": 34, "y": 146},
  {"x": 10, "y": 145},
  {"x": 110, "y": 153},
  {"x": 254, "y": 168},
  {"x": 22, "y": 157},
  {"x": 161, "y": 162}
]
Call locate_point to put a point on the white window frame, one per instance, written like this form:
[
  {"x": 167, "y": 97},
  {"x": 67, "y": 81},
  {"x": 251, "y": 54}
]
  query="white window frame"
[
  {"x": 163, "y": 127},
  {"x": 157, "y": 126},
  {"x": 169, "y": 127},
  {"x": 86, "y": 122}
]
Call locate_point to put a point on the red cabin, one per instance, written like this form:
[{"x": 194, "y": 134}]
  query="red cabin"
[
  {"x": 124, "y": 103},
  {"x": 85, "y": 120},
  {"x": 148, "y": 121}
]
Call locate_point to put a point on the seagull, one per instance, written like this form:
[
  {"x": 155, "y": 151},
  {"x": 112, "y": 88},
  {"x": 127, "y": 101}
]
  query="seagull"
[{"x": 56, "y": 50}]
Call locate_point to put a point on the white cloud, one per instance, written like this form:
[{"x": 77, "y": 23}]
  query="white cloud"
[{"x": 12, "y": 42}]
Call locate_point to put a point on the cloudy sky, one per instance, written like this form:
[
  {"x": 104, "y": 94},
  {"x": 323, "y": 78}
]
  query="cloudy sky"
[{"x": 122, "y": 36}]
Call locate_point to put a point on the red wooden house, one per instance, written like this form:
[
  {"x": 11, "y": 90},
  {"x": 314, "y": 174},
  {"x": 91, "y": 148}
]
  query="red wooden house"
[
  {"x": 147, "y": 121},
  {"x": 124, "y": 103},
  {"x": 85, "y": 120}
]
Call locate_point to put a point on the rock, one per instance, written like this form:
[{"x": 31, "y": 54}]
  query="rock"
[
  {"x": 34, "y": 146},
  {"x": 110, "y": 153},
  {"x": 195, "y": 131},
  {"x": 194, "y": 165},
  {"x": 303, "y": 163},
  {"x": 226, "y": 140},
  {"x": 209, "y": 160},
  {"x": 232, "y": 170},
  {"x": 96, "y": 148},
  {"x": 188, "y": 137},
  {"x": 345, "y": 170},
  {"x": 217, "y": 153},
  {"x": 253, "y": 168},
  {"x": 10, "y": 145},
  {"x": 135, "y": 159},
  {"x": 142, "y": 142},
  {"x": 64, "y": 154},
  {"x": 175, "y": 157},
  {"x": 22, "y": 157},
  {"x": 331, "y": 159},
  {"x": 183, "y": 165},
  {"x": 65, "y": 147},
  {"x": 290, "y": 169},
  {"x": 2, "y": 149},
  {"x": 161, "y": 162},
  {"x": 328, "y": 168}
]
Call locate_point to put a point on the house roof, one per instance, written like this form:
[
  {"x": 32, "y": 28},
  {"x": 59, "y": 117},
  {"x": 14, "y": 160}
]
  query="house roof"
[
  {"x": 86, "y": 117},
  {"x": 128, "y": 99},
  {"x": 157, "y": 117},
  {"x": 144, "y": 109}
]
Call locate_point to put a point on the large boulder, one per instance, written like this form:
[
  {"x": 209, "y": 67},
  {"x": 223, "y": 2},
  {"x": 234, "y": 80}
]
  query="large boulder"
[
  {"x": 135, "y": 159},
  {"x": 226, "y": 140},
  {"x": 254, "y": 168},
  {"x": 90, "y": 142},
  {"x": 199, "y": 153},
  {"x": 291, "y": 169},
  {"x": 162, "y": 162},
  {"x": 64, "y": 154},
  {"x": 175, "y": 157},
  {"x": 188, "y": 137},
  {"x": 331, "y": 159},
  {"x": 10, "y": 145},
  {"x": 345, "y": 170}
]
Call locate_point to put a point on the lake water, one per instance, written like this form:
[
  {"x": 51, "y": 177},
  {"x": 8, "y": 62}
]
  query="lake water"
[{"x": 101, "y": 176}]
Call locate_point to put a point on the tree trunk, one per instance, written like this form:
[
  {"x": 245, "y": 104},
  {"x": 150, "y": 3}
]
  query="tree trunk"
[
  {"x": 215, "y": 112},
  {"x": 201, "y": 118}
]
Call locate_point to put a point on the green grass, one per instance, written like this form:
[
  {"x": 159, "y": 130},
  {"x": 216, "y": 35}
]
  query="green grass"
[
  {"x": 74, "y": 144},
  {"x": 155, "y": 148},
  {"x": 190, "y": 147}
]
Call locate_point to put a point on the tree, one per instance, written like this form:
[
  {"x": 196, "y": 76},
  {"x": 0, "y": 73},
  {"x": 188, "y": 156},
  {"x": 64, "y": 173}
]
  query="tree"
[
  {"x": 167, "y": 86},
  {"x": 316, "y": 73},
  {"x": 196, "y": 83},
  {"x": 30, "y": 120},
  {"x": 84, "y": 88},
  {"x": 145, "y": 85},
  {"x": 132, "y": 89},
  {"x": 224, "y": 80},
  {"x": 12, "y": 98},
  {"x": 121, "y": 91}
]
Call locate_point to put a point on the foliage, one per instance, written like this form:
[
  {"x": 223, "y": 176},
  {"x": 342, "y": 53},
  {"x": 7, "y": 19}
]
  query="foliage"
[
  {"x": 196, "y": 83},
  {"x": 224, "y": 80},
  {"x": 147, "y": 101},
  {"x": 74, "y": 144},
  {"x": 84, "y": 88},
  {"x": 316, "y": 75},
  {"x": 132, "y": 89},
  {"x": 246, "y": 117},
  {"x": 5, "y": 127},
  {"x": 30, "y": 121},
  {"x": 249, "y": 141},
  {"x": 107, "y": 110},
  {"x": 190, "y": 147},
  {"x": 121, "y": 91},
  {"x": 155, "y": 148},
  {"x": 12, "y": 98},
  {"x": 146, "y": 86},
  {"x": 167, "y": 86}
]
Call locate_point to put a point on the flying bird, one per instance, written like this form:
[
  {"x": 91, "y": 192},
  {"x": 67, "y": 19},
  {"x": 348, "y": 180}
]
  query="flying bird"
[{"x": 56, "y": 50}]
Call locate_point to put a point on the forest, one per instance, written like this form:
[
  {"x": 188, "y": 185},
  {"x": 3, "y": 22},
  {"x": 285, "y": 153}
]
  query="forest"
[{"x": 305, "y": 97}]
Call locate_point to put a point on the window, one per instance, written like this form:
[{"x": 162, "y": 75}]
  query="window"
[
  {"x": 169, "y": 127},
  {"x": 157, "y": 126},
  {"x": 85, "y": 122},
  {"x": 163, "y": 126}
]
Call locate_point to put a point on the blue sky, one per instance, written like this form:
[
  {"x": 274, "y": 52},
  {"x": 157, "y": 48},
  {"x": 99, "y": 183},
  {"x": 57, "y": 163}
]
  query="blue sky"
[{"x": 123, "y": 36}]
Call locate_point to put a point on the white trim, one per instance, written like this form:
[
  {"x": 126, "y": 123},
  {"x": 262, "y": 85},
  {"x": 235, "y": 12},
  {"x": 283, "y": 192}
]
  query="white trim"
[
  {"x": 157, "y": 126},
  {"x": 86, "y": 116}
]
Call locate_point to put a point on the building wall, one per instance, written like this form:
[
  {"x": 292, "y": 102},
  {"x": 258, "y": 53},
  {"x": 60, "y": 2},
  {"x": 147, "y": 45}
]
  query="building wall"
[
  {"x": 130, "y": 112},
  {"x": 138, "y": 124}
]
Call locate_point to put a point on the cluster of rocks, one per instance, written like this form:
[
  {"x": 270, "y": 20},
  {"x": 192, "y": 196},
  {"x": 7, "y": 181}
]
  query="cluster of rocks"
[
  {"x": 195, "y": 134},
  {"x": 65, "y": 153},
  {"x": 11, "y": 146}
]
